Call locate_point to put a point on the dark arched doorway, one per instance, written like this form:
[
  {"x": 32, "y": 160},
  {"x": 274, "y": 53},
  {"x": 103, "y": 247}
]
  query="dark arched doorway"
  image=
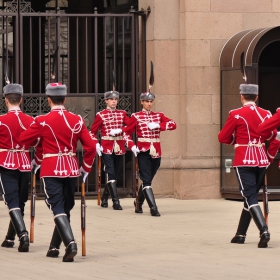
[
  {"x": 261, "y": 51},
  {"x": 269, "y": 86}
]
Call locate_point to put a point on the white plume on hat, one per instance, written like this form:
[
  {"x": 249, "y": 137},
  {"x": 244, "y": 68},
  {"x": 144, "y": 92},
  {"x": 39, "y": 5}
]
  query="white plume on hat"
[
  {"x": 56, "y": 89},
  {"x": 13, "y": 88},
  {"x": 249, "y": 89}
]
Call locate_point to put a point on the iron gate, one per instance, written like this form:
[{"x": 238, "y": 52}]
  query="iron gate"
[{"x": 80, "y": 50}]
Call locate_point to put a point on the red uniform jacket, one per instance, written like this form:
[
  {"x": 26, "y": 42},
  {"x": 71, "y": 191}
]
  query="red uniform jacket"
[
  {"x": 14, "y": 155},
  {"x": 59, "y": 132},
  {"x": 269, "y": 124},
  {"x": 148, "y": 139},
  {"x": 106, "y": 120},
  {"x": 240, "y": 130}
]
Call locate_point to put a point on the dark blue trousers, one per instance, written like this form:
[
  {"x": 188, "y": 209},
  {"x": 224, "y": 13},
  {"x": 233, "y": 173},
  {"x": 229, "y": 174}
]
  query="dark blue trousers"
[
  {"x": 14, "y": 185},
  {"x": 60, "y": 194},
  {"x": 250, "y": 180},
  {"x": 112, "y": 165},
  {"x": 148, "y": 167}
]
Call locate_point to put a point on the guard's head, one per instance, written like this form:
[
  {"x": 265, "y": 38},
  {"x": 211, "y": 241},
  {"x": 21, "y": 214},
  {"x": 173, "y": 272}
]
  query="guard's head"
[
  {"x": 13, "y": 88},
  {"x": 13, "y": 92},
  {"x": 147, "y": 96},
  {"x": 249, "y": 91},
  {"x": 56, "y": 92},
  {"x": 111, "y": 94}
]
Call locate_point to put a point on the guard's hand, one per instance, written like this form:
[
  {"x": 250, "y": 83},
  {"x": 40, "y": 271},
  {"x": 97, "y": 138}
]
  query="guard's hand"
[
  {"x": 278, "y": 136},
  {"x": 115, "y": 131},
  {"x": 99, "y": 149},
  {"x": 135, "y": 150},
  {"x": 84, "y": 174},
  {"x": 153, "y": 125},
  {"x": 35, "y": 166}
]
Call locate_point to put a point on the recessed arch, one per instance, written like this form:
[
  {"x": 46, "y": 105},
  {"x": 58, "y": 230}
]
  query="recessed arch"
[{"x": 256, "y": 51}]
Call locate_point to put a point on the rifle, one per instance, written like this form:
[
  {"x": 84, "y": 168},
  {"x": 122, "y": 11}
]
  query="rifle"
[
  {"x": 83, "y": 218},
  {"x": 136, "y": 182},
  {"x": 32, "y": 206},
  {"x": 265, "y": 200},
  {"x": 99, "y": 181}
]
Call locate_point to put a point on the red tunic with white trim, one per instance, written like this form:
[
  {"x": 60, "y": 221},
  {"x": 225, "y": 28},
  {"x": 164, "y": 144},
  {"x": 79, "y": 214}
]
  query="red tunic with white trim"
[
  {"x": 148, "y": 139},
  {"x": 14, "y": 155},
  {"x": 106, "y": 120},
  {"x": 269, "y": 124},
  {"x": 59, "y": 132},
  {"x": 240, "y": 130}
]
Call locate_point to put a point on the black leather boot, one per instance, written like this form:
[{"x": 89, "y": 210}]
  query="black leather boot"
[
  {"x": 53, "y": 251},
  {"x": 257, "y": 215},
  {"x": 104, "y": 198},
  {"x": 9, "y": 241},
  {"x": 66, "y": 234},
  {"x": 19, "y": 226},
  {"x": 113, "y": 191},
  {"x": 140, "y": 200},
  {"x": 149, "y": 195},
  {"x": 242, "y": 228}
]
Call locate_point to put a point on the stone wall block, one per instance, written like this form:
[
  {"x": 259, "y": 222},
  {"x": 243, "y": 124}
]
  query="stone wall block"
[
  {"x": 166, "y": 19},
  {"x": 166, "y": 70},
  {"x": 197, "y": 184},
  {"x": 202, "y": 140},
  {"x": 199, "y": 109},
  {"x": 197, "y": 53},
  {"x": 241, "y": 6},
  {"x": 202, "y": 80},
  {"x": 213, "y": 25},
  {"x": 197, "y": 6}
]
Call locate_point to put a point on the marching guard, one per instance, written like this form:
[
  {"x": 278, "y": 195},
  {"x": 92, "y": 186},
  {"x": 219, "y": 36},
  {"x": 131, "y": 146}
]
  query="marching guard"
[
  {"x": 15, "y": 165},
  {"x": 251, "y": 158},
  {"x": 110, "y": 121},
  {"x": 59, "y": 132},
  {"x": 148, "y": 125}
]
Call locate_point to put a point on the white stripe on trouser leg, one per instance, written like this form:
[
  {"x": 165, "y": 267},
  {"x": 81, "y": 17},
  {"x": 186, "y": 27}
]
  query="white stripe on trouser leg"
[
  {"x": 3, "y": 191},
  {"x": 45, "y": 191},
  {"x": 240, "y": 182}
]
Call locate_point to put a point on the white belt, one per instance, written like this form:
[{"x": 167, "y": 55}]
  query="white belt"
[
  {"x": 13, "y": 150},
  {"x": 249, "y": 145},
  {"x": 152, "y": 140},
  {"x": 70, "y": 154},
  {"x": 112, "y": 137}
]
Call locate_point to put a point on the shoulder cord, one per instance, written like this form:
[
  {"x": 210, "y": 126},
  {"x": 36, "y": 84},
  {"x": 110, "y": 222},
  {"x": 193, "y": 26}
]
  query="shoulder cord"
[
  {"x": 76, "y": 129},
  {"x": 259, "y": 115},
  {"x": 19, "y": 120}
]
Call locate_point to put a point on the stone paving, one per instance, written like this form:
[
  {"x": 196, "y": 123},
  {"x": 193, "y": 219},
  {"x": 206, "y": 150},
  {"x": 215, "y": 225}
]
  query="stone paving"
[{"x": 191, "y": 240}]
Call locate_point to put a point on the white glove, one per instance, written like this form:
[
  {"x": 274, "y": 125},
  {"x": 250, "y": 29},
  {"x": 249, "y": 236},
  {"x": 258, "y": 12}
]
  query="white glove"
[
  {"x": 35, "y": 166},
  {"x": 135, "y": 150},
  {"x": 99, "y": 149},
  {"x": 278, "y": 136},
  {"x": 84, "y": 174},
  {"x": 153, "y": 125},
  {"x": 115, "y": 131}
]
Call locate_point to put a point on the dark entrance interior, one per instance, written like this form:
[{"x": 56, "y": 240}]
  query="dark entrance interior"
[{"x": 269, "y": 97}]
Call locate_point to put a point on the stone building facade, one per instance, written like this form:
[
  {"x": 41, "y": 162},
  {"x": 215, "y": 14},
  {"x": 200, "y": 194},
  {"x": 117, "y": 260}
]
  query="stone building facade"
[{"x": 184, "y": 40}]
